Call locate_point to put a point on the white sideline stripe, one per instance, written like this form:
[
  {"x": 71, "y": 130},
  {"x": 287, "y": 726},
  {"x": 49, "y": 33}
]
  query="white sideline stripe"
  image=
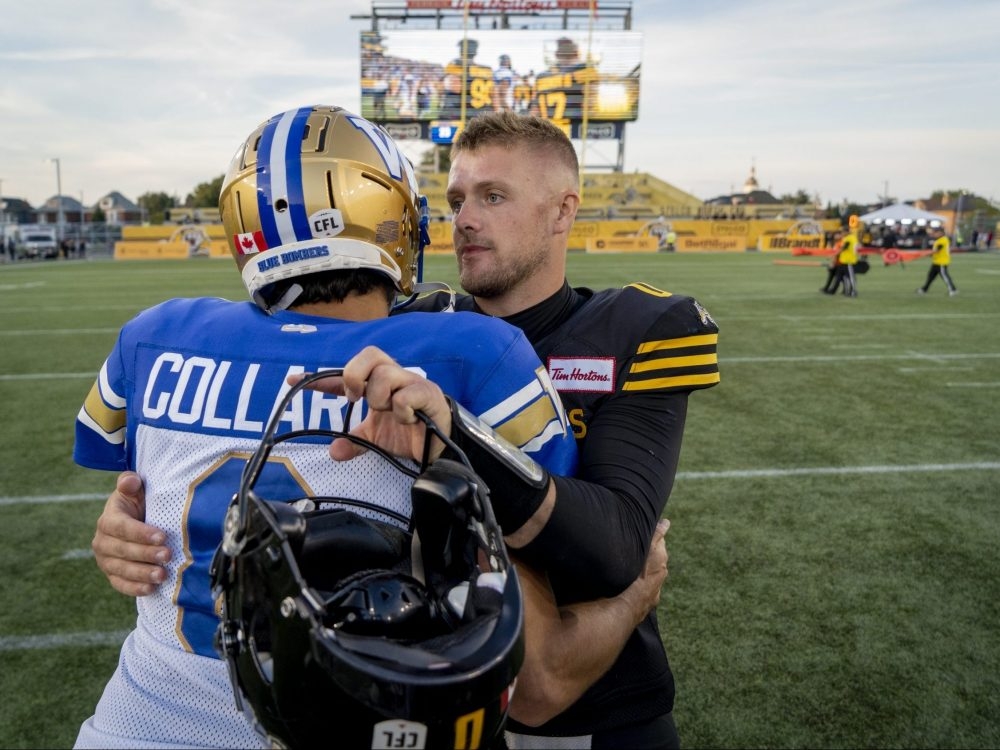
[
  {"x": 858, "y": 357},
  {"x": 886, "y": 316},
  {"x": 49, "y": 376},
  {"x": 116, "y": 637},
  {"x": 731, "y": 474},
  {"x": 61, "y": 640},
  {"x": 39, "y": 499},
  {"x": 825, "y": 470},
  {"x": 77, "y": 554},
  {"x": 58, "y": 331}
]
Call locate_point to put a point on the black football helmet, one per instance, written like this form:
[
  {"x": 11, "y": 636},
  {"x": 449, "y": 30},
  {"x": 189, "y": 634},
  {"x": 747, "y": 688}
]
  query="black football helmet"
[{"x": 341, "y": 629}]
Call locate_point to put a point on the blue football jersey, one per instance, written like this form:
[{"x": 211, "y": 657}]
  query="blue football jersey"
[{"x": 183, "y": 400}]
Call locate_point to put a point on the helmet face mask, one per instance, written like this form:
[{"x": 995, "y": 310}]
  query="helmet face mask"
[
  {"x": 318, "y": 189},
  {"x": 400, "y": 632}
]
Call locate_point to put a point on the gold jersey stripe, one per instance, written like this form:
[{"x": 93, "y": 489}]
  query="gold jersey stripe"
[
  {"x": 108, "y": 419},
  {"x": 675, "y": 362},
  {"x": 705, "y": 339},
  {"x": 679, "y": 381},
  {"x": 529, "y": 422}
]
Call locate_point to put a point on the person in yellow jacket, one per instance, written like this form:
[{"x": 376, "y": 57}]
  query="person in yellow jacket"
[
  {"x": 940, "y": 260},
  {"x": 846, "y": 259}
]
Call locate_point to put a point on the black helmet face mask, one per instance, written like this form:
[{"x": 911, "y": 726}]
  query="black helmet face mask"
[{"x": 375, "y": 634}]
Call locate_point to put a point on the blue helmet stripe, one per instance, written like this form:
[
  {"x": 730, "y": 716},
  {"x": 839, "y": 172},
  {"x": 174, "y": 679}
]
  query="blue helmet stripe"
[
  {"x": 293, "y": 177},
  {"x": 264, "y": 201},
  {"x": 279, "y": 175}
]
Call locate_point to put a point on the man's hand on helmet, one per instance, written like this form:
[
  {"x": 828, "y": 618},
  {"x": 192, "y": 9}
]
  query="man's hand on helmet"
[{"x": 393, "y": 394}]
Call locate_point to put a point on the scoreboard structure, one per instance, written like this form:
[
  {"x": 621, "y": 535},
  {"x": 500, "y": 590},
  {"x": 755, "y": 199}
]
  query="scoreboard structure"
[{"x": 428, "y": 66}]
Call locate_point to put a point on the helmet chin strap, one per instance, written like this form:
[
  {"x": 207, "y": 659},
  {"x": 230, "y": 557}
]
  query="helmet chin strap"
[{"x": 291, "y": 294}]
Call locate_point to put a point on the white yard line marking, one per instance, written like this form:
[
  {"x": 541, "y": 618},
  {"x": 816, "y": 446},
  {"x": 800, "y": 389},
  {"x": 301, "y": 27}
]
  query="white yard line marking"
[
  {"x": 115, "y": 638},
  {"x": 68, "y": 308},
  {"x": 885, "y": 316},
  {"x": 858, "y": 357},
  {"x": 732, "y": 474},
  {"x": 973, "y": 385},
  {"x": 62, "y": 640},
  {"x": 57, "y": 331},
  {"x": 50, "y": 376},
  {"x": 40, "y": 499},
  {"x": 77, "y": 554},
  {"x": 826, "y": 470},
  {"x": 937, "y": 368}
]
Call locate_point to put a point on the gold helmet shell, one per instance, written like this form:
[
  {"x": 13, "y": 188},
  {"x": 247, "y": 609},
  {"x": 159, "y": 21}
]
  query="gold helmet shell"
[{"x": 320, "y": 189}]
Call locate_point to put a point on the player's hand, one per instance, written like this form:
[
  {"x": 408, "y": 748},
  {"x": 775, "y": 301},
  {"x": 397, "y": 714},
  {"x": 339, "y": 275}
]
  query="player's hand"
[
  {"x": 129, "y": 552},
  {"x": 644, "y": 593},
  {"x": 393, "y": 395}
]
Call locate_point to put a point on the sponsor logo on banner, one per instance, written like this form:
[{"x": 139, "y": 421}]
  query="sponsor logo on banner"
[
  {"x": 622, "y": 244},
  {"x": 408, "y": 131},
  {"x": 691, "y": 244},
  {"x": 249, "y": 243},
  {"x": 788, "y": 241},
  {"x": 583, "y": 374}
]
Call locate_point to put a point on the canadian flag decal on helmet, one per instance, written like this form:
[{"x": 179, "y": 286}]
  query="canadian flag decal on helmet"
[{"x": 249, "y": 243}]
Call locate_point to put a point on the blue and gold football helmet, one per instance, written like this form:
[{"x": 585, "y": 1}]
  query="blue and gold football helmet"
[{"x": 320, "y": 189}]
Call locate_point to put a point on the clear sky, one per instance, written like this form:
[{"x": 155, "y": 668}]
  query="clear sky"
[{"x": 840, "y": 99}]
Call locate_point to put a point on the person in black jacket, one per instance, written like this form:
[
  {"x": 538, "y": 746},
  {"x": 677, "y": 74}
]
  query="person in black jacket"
[{"x": 624, "y": 362}]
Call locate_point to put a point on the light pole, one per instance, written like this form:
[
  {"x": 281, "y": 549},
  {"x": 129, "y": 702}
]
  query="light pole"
[
  {"x": 958, "y": 219},
  {"x": 59, "y": 206}
]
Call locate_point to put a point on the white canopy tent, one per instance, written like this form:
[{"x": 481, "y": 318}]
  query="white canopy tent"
[{"x": 902, "y": 213}]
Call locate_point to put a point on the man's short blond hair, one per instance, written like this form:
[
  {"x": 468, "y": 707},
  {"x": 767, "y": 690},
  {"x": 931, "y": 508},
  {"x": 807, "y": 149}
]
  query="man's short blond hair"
[{"x": 510, "y": 130}]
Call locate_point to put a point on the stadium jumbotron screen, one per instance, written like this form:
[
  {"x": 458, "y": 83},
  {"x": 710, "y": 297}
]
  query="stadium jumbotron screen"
[{"x": 411, "y": 80}]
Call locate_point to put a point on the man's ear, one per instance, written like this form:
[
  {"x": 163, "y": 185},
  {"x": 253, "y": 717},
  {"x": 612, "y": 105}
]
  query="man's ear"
[{"x": 568, "y": 204}]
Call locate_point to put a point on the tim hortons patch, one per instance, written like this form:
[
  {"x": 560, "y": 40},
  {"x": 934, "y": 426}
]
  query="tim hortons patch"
[{"x": 583, "y": 374}]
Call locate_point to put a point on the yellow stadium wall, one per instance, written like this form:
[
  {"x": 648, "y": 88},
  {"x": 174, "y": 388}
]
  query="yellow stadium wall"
[
  {"x": 607, "y": 235},
  {"x": 164, "y": 250}
]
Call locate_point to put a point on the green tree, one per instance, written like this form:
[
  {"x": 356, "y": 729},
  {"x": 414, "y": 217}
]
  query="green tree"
[
  {"x": 156, "y": 206},
  {"x": 206, "y": 195},
  {"x": 800, "y": 197}
]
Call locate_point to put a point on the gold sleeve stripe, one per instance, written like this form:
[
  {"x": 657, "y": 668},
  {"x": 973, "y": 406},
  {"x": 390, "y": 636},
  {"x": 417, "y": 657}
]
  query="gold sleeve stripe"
[
  {"x": 529, "y": 422},
  {"x": 706, "y": 339},
  {"x": 512, "y": 404},
  {"x": 108, "y": 419},
  {"x": 651, "y": 290},
  {"x": 679, "y": 381},
  {"x": 674, "y": 362}
]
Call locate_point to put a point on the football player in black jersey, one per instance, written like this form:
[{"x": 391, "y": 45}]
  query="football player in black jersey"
[{"x": 624, "y": 362}]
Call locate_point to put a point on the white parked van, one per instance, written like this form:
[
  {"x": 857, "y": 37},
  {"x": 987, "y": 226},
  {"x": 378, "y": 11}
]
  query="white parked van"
[{"x": 36, "y": 241}]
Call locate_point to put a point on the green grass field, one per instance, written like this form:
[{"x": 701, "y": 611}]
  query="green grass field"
[{"x": 834, "y": 575}]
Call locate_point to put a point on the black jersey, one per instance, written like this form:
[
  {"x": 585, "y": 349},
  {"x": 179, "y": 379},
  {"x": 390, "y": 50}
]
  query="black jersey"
[{"x": 624, "y": 361}]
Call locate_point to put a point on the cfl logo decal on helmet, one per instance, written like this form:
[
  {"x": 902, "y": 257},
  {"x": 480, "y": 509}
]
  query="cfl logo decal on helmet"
[
  {"x": 327, "y": 223},
  {"x": 393, "y": 734}
]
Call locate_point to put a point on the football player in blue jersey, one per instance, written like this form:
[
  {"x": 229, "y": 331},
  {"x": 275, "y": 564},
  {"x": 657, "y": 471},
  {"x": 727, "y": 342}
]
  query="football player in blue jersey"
[{"x": 325, "y": 224}]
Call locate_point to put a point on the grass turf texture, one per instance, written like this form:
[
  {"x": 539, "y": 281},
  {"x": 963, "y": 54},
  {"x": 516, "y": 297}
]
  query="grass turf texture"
[{"x": 804, "y": 608}]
